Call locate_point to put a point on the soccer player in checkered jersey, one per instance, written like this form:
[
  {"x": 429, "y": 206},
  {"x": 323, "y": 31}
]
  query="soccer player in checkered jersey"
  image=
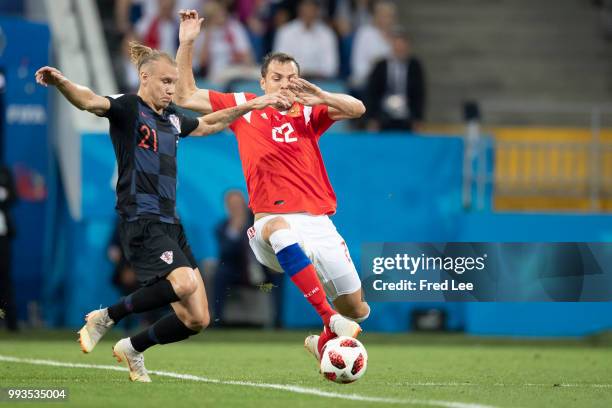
[
  {"x": 145, "y": 130},
  {"x": 287, "y": 183}
]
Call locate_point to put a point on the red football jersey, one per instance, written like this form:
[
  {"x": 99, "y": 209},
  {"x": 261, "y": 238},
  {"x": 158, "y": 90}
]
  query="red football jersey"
[{"x": 280, "y": 156}]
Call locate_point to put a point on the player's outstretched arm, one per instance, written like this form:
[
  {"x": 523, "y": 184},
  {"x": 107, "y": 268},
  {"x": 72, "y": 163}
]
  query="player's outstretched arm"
[
  {"x": 187, "y": 93},
  {"x": 341, "y": 106},
  {"x": 219, "y": 120},
  {"x": 78, "y": 95}
]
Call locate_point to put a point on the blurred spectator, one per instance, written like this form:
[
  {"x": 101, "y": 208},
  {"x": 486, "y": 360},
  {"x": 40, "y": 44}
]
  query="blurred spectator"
[
  {"x": 311, "y": 42},
  {"x": 160, "y": 31},
  {"x": 235, "y": 256},
  {"x": 256, "y": 16},
  {"x": 224, "y": 48},
  {"x": 7, "y": 232},
  {"x": 127, "y": 77},
  {"x": 606, "y": 16},
  {"x": 127, "y": 12},
  {"x": 347, "y": 16},
  {"x": 372, "y": 43},
  {"x": 237, "y": 266},
  {"x": 279, "y": 15},
  {"x": 396, "y": 89}
]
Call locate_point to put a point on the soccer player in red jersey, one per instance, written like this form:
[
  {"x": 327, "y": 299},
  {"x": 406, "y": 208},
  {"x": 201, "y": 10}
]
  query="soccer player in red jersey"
[{"x": 289, "y": 190}]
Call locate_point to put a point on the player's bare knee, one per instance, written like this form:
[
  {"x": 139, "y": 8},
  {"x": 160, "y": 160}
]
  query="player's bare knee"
[
  {"x": 183, "y": 282},
  {"x": 358, "y": 312},
  {"x": 275, "y": 224},
  {"x": 198, "y": 322}
]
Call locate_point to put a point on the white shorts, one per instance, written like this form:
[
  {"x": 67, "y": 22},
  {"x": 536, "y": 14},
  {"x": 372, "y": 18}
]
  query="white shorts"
[{"x": 322, "y": 244}]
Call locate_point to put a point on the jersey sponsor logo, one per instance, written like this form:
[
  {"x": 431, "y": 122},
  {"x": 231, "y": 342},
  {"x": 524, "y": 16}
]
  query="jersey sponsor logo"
[
  {"x": 282, "y": 134},
  {"x": 167, "y": 257},
  {"x": 175, "y": 122}
]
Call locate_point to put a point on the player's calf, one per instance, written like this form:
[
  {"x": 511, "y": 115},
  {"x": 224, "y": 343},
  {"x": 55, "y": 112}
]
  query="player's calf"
[
  {"x": 179, "y": 284},
  {"x": 296, "y": 264},
  {"x": 189, "y": 318},
  {"x": 197, "y": 321},
  {"x": 168, "y": 329}
]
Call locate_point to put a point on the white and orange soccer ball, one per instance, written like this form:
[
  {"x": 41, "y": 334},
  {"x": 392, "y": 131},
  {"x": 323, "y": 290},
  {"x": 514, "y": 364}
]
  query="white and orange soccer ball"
[{"x": 343, "y": 360}]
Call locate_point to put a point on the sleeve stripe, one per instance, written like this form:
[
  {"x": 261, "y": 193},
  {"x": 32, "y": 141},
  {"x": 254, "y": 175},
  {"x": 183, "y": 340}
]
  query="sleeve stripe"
[
  {"x": 307, "y": 113},
  {"x": 241, "y": 100}
]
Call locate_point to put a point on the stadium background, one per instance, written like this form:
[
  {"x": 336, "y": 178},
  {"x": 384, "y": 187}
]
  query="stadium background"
[{"x": 535, "y": 167}]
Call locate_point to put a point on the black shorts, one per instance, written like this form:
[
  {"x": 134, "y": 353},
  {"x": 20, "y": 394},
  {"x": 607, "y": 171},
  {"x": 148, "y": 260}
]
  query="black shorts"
[{"x": 155, "y": 248}]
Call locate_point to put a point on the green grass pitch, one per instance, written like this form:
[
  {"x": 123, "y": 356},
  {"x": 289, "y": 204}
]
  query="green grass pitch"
[{"x": 403, "y": 370}]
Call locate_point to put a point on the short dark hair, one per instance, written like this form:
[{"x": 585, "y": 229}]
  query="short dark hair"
[{"x": 279, "y": 57}]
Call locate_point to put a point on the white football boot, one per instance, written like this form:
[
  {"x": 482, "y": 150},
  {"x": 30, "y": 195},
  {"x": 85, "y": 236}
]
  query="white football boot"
[
  {"x": 344, "y": 327},
  {"x": 96, "y": 326},
  {"x": 124, "y": 352},
  {"x": 311, "y": 344}
]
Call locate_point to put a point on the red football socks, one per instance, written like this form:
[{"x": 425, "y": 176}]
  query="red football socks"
[{"x": 308, "y": 282}]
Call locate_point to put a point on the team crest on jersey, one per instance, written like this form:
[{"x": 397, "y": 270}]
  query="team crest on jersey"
[
  {"x": 167, "y": 257},
  {"x": 175, "y": 122},
  {"x": 294, "y": 111}
]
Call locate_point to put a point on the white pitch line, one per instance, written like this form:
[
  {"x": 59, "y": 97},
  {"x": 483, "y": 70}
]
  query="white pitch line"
[
  {"x": 283, "y": 387},
  {"x": 464, "y": 384}
]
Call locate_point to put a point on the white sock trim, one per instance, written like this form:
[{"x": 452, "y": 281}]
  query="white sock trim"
[{"x": 282, "y": 238}]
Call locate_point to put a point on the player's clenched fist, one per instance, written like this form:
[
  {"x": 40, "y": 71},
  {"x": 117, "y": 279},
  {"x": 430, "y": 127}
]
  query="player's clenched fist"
[
  {"x": 49, "y": 76},
  {"x": 190, "y": 25}
]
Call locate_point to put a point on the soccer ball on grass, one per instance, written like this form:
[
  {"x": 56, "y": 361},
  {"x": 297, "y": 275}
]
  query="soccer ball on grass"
[{"x": 343, "y": 360}]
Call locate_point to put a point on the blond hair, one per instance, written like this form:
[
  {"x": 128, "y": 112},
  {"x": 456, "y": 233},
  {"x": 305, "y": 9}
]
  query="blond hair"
[{"x": 141, "y": 54}]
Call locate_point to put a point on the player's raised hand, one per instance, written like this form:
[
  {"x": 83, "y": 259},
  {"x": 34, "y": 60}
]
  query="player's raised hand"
[
  {"x": 276, "y": 100},
  {"x": 46, "y": 76},
  {"x": 191, "y": 23},
  {"x": 306, "y": 92}
]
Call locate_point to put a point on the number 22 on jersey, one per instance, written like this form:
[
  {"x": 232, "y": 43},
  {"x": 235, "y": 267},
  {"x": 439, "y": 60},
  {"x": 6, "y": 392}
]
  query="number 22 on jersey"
[{"x": 282, "y": 134}]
